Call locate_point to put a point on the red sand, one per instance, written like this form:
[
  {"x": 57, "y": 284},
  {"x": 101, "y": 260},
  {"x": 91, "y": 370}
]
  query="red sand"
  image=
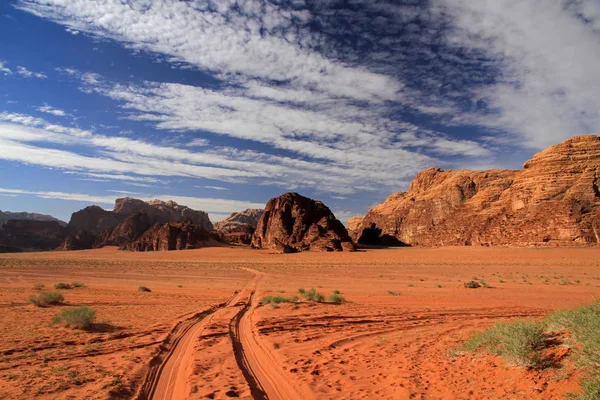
[{"x": 376, "y": 346}]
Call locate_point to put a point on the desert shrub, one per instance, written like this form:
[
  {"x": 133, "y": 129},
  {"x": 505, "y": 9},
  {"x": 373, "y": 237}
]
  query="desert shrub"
[
  {"x": 584, "y": 325},
  {"x": 77, "y": 285},
  {"x": 313, "y": 295},
  {"x": 472, "y": 284},
  {"x": 520, "y": 343},
  {"x": 39, "y": 286},
  {"x": 78, "y": 317},
  {"x": 301, "y": 290},
  {"x": 337, "y": 292},
  {"x": 392, "y": 293},
  {"x": 144, "y": 289},
  {"x": 62, "y": 285},
  {"x": 336, "y": 298},
  {"x": 590, "y": 390},
  {"x": 274, "y": 300},
  {"x": 46, "y": 298}
]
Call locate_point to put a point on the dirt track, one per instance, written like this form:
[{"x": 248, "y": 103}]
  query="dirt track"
[{"x": 202, "y": 333}]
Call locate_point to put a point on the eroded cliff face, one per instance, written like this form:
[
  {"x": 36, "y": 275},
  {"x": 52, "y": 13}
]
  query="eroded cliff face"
[
  {"x": 292, "y": 222},
  {"x": 23, "y": 235},
  {"x": 553, "y": 200},
  {"x": 162, "y": 211},
  {"x": 172, "y": 236},
  {"x": 236, "y": 221}
]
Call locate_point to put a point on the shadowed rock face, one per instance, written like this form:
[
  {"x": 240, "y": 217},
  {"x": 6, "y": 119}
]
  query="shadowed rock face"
[
  {"x": 172, "y": 236},
  {"x": 7, "y": 215},
  {"x": 553, "y": 200},
  {"x": 128, "y": 221},
  {"x": 127, "y": 231},
  {"x": 292, "y": 222},
  {"x": 19, "y": 235}
]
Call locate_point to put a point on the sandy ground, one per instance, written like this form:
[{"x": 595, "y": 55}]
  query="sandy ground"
[{"x": 202, "y": 333}]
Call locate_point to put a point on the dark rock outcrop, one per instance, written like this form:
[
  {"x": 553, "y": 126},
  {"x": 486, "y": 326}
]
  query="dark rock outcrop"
[
  {"x": 127, "y": 231},
  {"x": 292, "y": 222},
  {"x": 173, "y": 236},
  {"x": 162, "y": 211},
  {"x": 31, "y": 235},
  {"x": 93, "y": 219},
  {"x": 553, "y": 201},
  {"x": 78, "y": 241}
]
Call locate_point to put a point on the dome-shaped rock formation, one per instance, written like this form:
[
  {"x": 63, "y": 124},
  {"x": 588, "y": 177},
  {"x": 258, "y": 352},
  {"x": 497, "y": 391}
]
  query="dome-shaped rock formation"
[{"x": 292, "y": 222}]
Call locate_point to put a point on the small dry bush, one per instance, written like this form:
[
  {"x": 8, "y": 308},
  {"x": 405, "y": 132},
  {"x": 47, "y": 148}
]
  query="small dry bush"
[
  {"x": 144, "y": 289},
  {"x": 47, "y": 298},
  {"x": 78, "y": 318},
  {"x": 62, "y": 285}
]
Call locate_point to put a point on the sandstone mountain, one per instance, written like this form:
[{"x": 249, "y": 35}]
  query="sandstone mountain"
[
  {"x": 553, "y": 201},
  {"x": 292, "y": 222},
  {"x": 95, "y": 227},
  {"x": 7, "y": 215},
  {"x": 239, "y": 227},
  {"x": 20, "y": 235},
  {"x": 249, "y": 217},
  {"x": 162, "y": 211},
  {"x": 172, "y": 236}
]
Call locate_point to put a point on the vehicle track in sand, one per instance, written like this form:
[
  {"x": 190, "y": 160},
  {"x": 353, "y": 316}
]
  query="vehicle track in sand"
[{"x": 166, "y": 377}]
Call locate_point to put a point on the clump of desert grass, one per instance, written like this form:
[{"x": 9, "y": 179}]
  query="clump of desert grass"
[
  {"x": 144, "y": 289},
  {"x": 78, "y": 285},
  {"x": 523, "y": 343},
  {"x": 312, "y": 295},
  {"x": 45, "y": 299},
  {"x": 63, "y": 285},
  {"x": 76, "y": 318}
]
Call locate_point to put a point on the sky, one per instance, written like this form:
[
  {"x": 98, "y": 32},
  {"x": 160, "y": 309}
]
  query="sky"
[{"x": 222, "y": 105}]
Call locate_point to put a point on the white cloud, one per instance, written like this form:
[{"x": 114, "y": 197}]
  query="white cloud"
[
  {"x": 210, "y": 205},
  {"x": 51, "y": 110},
  {"x": 4, "y": 69},
  {"x": 213, "y": 187},
  {"x": 548, "y": 59},
  {"x": 25, "y": 73}
]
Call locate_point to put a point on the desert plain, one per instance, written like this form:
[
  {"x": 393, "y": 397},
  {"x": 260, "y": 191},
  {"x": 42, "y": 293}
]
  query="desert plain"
[{"x": 202, "y": 332}]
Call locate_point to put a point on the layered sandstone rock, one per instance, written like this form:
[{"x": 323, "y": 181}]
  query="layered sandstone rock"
[
  {"x": 162, "y": 211},
  {"x": 19, "y": 235},
  {"x": 292, "y": 222},
  {"x": 249, "y": 217},
  {"x": 172, "y": 236},
  {"x": 129, "y": 219},
  {"x": 553, "y": 200}
]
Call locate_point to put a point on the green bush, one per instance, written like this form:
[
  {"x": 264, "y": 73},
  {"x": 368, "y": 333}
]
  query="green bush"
[
  {"x": 274, "y": 300},
  {"x": 520, "y": 343},
  {"x": 336, "y": 298},
  {"x": 472, "y": 284},
  {"x": 313, "y": 295},
  {"x": 144, "y": 289},
  {"x": 78, "y": 317},
  {"x": 584, "y": 325},
  {"x": 301, "y": 290},
  {"x": 337, "y": 292},
  {"x": 47, "y": 298},
  {"x": 77, "y": 285},
  {"x": 62, "y": 285}
]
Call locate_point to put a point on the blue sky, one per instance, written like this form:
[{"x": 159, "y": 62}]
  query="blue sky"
[{"x": 221, "y": 105}]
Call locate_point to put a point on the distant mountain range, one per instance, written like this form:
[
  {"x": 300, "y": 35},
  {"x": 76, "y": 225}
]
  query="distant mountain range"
[{"x": 8, "y": 215}]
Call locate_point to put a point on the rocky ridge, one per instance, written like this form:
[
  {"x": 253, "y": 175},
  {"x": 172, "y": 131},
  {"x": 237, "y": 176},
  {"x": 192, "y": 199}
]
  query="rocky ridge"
[{"x": 553, "y": 201}]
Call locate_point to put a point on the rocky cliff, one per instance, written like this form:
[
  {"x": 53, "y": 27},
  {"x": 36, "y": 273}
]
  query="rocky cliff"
[
  {"x": 553, "y": 201},
  {"x": 172, "y": 236},
  {"x": 127, "y": 231},
  {"x": 249, "y": 217},
  {"x": 162, "y": 211},
  {"x": 20, "y": 235},
  {"x": 292, "y": 222}
]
